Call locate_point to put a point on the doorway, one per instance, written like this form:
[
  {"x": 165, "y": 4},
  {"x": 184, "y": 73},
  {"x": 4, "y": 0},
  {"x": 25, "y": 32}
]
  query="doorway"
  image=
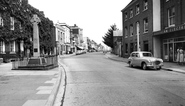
[{"x": 171, "y": 52}]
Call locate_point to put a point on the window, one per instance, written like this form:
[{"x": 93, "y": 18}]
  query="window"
[
  {"x": 131, "y": 30},
  {"x": 1, "y": 20},
  {"x": 131, "y": 47},
  {"x": 131, "y": 13},
  {"x": 145, "y": 4},
  {"x": 137, "y": 55},
  {"x": 126, "y": 48},
  {"x": 126, "y": 16},
  {"x": 171, "y": 16},
  {"x": 20, "y": 27},
  {"x": 133, "y": 55},
  {"x": 11, "y": 23},
  {"x": 145, "y": 25},
  {"x": 12, "y": 46},
  {"x": 137, "y": 28},
  {"x": 2, "y": 47},
  {"x": 126, "y": 31},
  {"x": 137, "y": 9}
]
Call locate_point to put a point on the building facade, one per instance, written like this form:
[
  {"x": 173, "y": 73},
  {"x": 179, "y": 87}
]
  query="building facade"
[
  {"x": 171, "y": 37},
  {"x": 67, "y": 36},
  {"x": 77, "y": 36},
  {"x": 117, "y": 39},
  {"x": 60, "y": 36},
  {"x": 140, "y": 19}
]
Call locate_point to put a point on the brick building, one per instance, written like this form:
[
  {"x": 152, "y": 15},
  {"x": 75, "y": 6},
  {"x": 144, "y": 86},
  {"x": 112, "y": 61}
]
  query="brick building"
[{"x": 140, "y": 19}]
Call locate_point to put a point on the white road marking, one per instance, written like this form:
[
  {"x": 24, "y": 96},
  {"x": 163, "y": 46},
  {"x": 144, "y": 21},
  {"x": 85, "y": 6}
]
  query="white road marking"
[{"x": 35, "y": 103}]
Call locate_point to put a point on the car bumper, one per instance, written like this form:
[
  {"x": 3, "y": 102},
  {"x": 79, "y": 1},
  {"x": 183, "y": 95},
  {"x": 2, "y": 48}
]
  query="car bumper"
[{"x": 154, "y": 66}]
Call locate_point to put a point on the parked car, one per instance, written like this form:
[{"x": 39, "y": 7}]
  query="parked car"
[{"x": 145, "y": 60}]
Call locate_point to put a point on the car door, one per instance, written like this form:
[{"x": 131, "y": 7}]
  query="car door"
[
  {"x": 133, "y": 55},
  {"x": 137, "y": 59}
]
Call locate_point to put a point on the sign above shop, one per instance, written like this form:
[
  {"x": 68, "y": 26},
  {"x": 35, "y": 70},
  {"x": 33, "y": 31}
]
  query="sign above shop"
[{"x": 172, "y": 29}]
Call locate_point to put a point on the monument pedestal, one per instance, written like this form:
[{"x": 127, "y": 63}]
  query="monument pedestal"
[{"x": 37, "y": 61}]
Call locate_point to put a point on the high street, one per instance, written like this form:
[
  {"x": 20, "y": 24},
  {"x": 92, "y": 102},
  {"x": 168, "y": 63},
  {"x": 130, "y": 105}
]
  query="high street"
[{"x": 95, "y": 80}]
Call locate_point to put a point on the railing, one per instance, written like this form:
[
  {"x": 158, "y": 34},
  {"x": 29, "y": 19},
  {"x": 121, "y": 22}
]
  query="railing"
[{"x": 52, "y": 61}]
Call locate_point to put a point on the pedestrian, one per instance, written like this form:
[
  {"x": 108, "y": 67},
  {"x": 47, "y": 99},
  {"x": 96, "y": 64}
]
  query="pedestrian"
[
  {"x": 181, "y": 56},
  {"x": 178, "y": 56}
]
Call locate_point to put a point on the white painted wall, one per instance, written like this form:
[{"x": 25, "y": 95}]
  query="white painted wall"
[
  {"x": 157, "y": 47},
  {"x": 156, "y": 15}
]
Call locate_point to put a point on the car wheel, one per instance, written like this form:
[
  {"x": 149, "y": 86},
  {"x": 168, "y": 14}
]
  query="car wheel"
[
  {"x": 144, "y": 67},
  {"x": 159, "y": 68},
  {"x": 130, "y": 64}
]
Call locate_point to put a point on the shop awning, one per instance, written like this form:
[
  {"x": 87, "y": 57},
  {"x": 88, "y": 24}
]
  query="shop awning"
[{"x": 79, "y": 48}]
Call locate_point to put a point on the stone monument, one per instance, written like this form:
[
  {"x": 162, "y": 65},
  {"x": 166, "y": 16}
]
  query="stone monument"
[
  {"x": 36, "y": 60},
  {"x": 36, "y": 45}
]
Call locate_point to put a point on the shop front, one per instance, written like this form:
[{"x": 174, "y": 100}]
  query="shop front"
[
  {"x": 169, "y": 44},
  {"x": 171, "y": 48}
]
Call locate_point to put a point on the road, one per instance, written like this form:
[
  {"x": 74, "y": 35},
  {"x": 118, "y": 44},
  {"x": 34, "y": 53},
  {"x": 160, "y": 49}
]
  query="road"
[{"x": 94, "y": 80}]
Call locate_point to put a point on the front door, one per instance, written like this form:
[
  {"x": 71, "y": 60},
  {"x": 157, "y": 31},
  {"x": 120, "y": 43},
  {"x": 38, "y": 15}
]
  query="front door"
[{"x": 171, "y": 52}]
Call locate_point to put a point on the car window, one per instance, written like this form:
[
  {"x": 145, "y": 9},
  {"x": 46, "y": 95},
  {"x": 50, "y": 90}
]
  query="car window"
[
  {"x": 147, "y": 54},
  {"x": 133, "y": 54},
  {"x": 137, "y": 55}
]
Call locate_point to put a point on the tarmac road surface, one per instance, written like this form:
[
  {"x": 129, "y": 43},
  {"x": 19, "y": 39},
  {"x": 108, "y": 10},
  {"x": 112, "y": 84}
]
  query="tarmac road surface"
[{"x": 94, "y": 80}]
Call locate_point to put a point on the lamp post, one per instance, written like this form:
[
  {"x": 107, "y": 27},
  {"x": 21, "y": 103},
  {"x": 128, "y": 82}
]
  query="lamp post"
[{"x": 138, "y": 45}]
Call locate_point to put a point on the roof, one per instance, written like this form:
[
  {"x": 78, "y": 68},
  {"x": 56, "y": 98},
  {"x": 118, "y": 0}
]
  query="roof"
[{"x": 132, "y": 2}]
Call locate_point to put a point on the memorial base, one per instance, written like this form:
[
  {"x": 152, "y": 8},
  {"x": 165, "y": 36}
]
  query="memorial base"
[{"x": 37, "y": 61}]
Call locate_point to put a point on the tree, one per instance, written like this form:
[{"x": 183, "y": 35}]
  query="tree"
[{"x": 108, "y": 38}]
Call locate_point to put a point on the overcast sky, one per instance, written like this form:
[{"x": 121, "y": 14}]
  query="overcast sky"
[{"x": 93, "y": 16}]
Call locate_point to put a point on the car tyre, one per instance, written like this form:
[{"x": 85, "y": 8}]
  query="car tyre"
[
  {"x": 144, "y": 66},
  {"x": 159, "y": 68},
  {"x": 130, "y": 64}
]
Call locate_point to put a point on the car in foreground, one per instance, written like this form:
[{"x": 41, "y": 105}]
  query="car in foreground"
[{"x": 144, "y": 60}]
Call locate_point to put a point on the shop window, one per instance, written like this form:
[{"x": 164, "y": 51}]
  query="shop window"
[
  {"x": 171, "y": 17},
  {"x": 165, "y": 51}
]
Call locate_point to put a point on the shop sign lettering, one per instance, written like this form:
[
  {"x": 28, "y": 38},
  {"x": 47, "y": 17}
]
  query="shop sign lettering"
[{"x": 174, "y": 29}]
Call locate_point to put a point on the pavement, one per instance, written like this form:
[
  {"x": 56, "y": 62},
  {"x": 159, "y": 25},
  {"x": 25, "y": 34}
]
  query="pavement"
[
  {"x": 169, "y": 66},
  {"x": 28, "y": 87}
]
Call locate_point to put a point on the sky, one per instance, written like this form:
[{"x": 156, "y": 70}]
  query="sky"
[{"x": 94, "y": 16}]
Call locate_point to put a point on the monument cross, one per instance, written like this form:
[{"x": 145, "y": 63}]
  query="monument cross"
[{"x": 36, "y": 44}]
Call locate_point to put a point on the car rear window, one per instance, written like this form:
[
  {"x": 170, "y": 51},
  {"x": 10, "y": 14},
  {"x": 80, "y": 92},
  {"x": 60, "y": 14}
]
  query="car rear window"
[{"x": 147, "y": 54}]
